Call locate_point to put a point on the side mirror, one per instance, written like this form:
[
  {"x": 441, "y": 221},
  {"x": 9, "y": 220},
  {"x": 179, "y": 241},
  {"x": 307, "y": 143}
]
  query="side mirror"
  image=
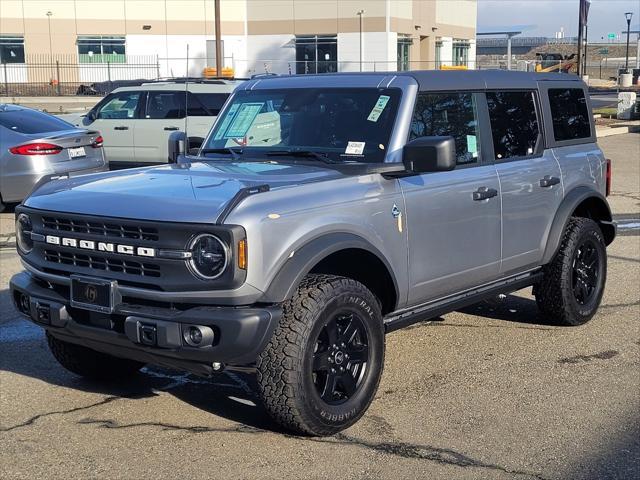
[
  {"x": 430, "y": 154},
  {"x": 88, "y": 118},
  {"x": 177, "y": 148}
]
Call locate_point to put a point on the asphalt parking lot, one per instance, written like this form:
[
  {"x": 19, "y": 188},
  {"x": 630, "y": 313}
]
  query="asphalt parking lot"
[{"x": 491, "y": 392}]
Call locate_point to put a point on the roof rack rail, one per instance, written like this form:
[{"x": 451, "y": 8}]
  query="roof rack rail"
[
  {"x": 214, "y": 81},
  {"x": 266, "y": 74}
]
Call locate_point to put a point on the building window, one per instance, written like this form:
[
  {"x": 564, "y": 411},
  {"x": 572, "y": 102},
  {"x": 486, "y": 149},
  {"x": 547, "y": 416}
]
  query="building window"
[
  {"x": 316, "y": 53},
  {"x": 101, "y": 49},
  {"x": 438, "y": 54},
  {"x": 404, "y": 44},
  {"x": 11, "y": 49},
  {"x": 461, "y": 52}
]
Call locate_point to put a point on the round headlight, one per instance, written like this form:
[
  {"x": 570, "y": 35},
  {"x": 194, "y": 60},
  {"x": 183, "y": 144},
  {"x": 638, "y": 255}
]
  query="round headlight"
[
  {"x": 209, "y": 256},
  {"x": 23, "y": 233}
]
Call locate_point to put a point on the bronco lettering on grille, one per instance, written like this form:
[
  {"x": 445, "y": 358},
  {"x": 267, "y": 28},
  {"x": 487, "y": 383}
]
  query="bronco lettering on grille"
[{"x": 100, "y": 246}]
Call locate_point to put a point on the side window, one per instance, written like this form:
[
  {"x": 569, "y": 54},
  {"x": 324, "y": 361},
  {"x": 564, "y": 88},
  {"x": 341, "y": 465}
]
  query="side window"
[
  {"x": 213, "y": 102},
  {"x": 120, "y": 105},
  {"x": 165, "y": 105},
  {"x": 570, "y": 114},
  {"x": 514, "y": 123},
  {"x": 449, "y": 114}
]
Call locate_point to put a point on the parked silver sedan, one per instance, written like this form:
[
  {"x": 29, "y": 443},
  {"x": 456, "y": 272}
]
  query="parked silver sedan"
[{"x": 35, "y": 145}]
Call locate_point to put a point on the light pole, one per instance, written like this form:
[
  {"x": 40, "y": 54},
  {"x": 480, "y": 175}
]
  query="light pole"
[
  {"x": 49, "y": 13},
  {"x": 360, "y": 13},
  {"x": 628, "y": 16}
]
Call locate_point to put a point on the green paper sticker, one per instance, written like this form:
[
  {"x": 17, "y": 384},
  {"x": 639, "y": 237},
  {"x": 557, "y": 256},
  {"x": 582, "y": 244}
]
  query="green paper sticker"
[
  {"x": 378, "y": 108},
  {"x": 243, "y": 120},
  {"x": 472, "y": 145}
]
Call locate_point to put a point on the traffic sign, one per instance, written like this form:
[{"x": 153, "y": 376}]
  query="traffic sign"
[{"x": 611, "y": 36}]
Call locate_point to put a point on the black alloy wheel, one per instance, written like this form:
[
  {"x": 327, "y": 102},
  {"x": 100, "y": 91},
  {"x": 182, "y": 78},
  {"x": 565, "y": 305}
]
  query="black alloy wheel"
[
  {"x": 586, "y": 271},
  {"x": 340, "y": 358}
]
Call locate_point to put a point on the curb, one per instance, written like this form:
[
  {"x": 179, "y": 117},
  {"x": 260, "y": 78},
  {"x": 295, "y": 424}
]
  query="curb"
[
  {"x": 609, "y": 131},
  {"x": 8, "y": 240}
]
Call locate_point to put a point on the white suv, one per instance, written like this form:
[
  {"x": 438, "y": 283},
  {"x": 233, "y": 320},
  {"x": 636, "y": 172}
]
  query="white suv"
[{"x": 136, "y": 122}]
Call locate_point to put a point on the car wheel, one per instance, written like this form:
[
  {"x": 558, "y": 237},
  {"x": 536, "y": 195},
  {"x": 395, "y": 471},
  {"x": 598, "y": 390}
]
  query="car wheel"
[
  {"x": 322, "y": 366},
  {"x": 91, "y": 364},
  {"x": 573, "y": 283}
]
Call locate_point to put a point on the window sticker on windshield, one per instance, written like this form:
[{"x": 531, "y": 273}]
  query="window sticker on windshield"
[
  {"x": 378, "y": 108},
  {"x": 354, "y": 148},
  {"x": 227, "y": 120},
  {"x": 472, "y": 145},
  {"x": 243, "y": 120}
]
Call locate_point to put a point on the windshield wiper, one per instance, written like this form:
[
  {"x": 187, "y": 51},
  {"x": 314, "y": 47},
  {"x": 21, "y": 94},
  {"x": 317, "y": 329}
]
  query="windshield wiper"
[
  {"x": 236, "y": 152},
  {"x": 323, "y": 157}
]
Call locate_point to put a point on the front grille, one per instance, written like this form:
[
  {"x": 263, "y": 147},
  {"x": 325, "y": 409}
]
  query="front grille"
[
  {"x": 100, "y": 228},
  {"x": 99, "y": 262}
]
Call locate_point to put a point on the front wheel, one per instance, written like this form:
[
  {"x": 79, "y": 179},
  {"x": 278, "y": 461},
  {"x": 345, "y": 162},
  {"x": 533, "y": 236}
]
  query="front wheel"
[
  {"x": 573, "y": 283},
  {"x": 321, "y": 369}
]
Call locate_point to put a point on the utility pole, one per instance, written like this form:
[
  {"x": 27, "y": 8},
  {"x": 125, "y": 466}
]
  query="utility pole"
[
  {"x": 582, "y": 22},
  {"x": 218, "y": 36},
  {"x": 360, "y": 13}
]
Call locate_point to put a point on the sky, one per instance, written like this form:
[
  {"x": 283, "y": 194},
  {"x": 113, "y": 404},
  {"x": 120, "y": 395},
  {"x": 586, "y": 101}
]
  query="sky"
[{"x": 545, "y": 17}]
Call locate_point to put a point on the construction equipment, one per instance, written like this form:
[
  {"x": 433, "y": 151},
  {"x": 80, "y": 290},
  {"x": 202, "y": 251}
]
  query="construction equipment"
[{"x": 555, "y": 62}]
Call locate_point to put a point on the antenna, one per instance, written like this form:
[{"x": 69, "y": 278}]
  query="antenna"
[{"x": 186, "y": 106}]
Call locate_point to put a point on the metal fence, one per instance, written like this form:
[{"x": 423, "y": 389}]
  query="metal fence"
[
  {"x": 45, "y": 75},
  {"x": 58, "y": 75}
]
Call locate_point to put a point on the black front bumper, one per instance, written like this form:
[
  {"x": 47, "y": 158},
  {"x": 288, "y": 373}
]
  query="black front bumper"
[{"x": 240, "y": 333}]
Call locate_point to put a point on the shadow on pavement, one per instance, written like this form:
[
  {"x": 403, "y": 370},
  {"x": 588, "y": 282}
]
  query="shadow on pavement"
[{"x": 24, "y": 351}]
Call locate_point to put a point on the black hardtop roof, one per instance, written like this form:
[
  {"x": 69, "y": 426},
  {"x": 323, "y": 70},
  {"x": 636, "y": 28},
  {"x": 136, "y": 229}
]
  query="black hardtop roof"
[
  {"x": 428, "y": 80},
  {"x": 482, "y": 79}
]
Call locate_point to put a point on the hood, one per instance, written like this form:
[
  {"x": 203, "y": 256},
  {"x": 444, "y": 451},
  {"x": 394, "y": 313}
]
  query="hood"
[{"x": 192, "y": 193}]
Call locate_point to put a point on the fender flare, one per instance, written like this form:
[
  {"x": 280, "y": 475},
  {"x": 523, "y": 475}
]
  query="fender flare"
[
  {"x": 286, "y": 281},
  {"x": 568, "y": 205}
]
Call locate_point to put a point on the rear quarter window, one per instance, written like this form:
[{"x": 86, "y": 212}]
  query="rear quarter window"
[
  {"x": 569, "y": 113},
  {"x": 32, "y": 122}
]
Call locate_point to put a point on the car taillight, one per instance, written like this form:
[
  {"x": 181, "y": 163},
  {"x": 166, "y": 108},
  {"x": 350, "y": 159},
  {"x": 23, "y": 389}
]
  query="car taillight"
[
  {"x": 97, "y": 143},
  {"x": 608, "y": 178},
  {"x": 36, "y": 149}
]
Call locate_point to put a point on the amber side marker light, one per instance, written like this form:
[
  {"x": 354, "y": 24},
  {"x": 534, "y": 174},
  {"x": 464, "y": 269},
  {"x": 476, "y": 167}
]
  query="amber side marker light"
[{"x": 242, "y": 254}]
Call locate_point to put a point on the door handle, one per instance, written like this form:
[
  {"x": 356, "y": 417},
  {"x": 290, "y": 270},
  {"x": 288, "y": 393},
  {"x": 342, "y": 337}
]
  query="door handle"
[
  {"x": 172, "y": 128},
  {"x": 484, "y": 193},
  {"x": 121, "y": 127},
  {"x": 549, "y": 181}
]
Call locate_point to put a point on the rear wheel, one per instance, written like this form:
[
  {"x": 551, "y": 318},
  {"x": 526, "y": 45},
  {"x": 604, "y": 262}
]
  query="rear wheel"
[
  {"x": 322, "y": 367},
  {"x": 91, "y": 364},
  {"x": 573, "y": 283}
]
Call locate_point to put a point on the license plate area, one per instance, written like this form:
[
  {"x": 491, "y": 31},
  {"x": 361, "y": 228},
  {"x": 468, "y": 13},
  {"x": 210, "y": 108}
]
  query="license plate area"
[
  {"x": 77, "y": 152},
  {"x": 94, "y": 294}
]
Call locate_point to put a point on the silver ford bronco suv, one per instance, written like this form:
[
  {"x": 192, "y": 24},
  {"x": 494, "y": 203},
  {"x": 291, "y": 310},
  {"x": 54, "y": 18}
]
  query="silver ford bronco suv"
[{"x": 321, "y": 213}]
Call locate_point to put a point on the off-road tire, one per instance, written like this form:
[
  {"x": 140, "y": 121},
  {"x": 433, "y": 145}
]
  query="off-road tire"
[
  {"x": 554, "y": 294},
  {"x": 91, "y": 364},
  {"x": 284, "y": 368}
]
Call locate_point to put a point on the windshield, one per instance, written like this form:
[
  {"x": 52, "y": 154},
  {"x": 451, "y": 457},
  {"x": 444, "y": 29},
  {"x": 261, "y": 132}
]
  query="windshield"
[{"x": 341, "y": 125}]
